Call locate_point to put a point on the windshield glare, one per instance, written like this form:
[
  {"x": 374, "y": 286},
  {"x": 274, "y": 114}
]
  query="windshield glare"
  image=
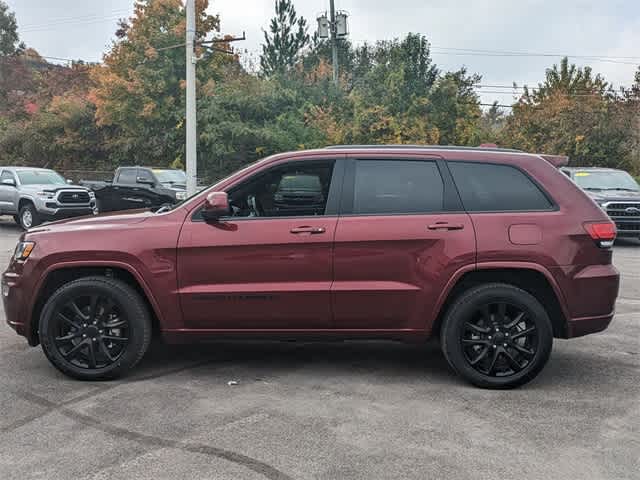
[
  {"x": 40, "y": 177},
  {"x": 604, "y": 180},
  {"x": 170, "y": 176}
]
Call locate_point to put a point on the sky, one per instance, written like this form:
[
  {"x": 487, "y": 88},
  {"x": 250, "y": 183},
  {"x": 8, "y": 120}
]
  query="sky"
[{"x": 609, "y": 30}]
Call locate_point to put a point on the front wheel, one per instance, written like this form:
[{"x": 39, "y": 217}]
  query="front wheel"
[
  {"x": 28, "y": 217},
  {"x": 497, "y": 336},
  {"x": 95, "y": 328}
]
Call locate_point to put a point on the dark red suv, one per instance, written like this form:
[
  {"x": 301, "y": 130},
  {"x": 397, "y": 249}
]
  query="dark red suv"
[{"x": 493, "y": 251}]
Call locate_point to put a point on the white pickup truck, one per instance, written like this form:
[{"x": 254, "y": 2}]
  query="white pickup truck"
[{"x": 34, "y": 195}]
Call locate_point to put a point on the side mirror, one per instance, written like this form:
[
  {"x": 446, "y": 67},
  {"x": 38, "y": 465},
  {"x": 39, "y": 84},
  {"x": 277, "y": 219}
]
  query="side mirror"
[
  {"x": 215, "y": 206},
  {"x": 69, "y": 181},
  {"x": 9, "y": 181},
  {"x": 145, "y": 181}
]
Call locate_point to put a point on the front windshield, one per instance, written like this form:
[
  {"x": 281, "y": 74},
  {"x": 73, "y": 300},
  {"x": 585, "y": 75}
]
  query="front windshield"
[
  {"x": 40, "y": 177},
  {"x": 606, "y": 180},
  {"x": 174, "y": 177}
]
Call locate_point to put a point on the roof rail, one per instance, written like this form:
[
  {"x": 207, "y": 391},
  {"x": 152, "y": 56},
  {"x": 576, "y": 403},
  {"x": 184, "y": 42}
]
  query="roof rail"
[{"x": 429, "y": 147}]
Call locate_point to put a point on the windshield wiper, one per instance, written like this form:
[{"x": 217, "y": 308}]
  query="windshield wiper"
[{"x": 622, "y": 189}]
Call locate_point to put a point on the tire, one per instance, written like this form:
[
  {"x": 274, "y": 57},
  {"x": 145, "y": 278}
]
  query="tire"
[
  {"x": 28, "y": 216},
  {"x": 483, "y": 343},
  {"x": 97, "y": 340}
]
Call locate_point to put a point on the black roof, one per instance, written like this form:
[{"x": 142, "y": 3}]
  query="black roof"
[{"x": 425, "y": 147}]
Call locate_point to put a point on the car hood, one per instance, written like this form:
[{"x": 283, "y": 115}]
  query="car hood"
[
  {"x": 104, "y": 220},
  {"x": 614, "y": 196},
  {"x": 51, "y": 188}
]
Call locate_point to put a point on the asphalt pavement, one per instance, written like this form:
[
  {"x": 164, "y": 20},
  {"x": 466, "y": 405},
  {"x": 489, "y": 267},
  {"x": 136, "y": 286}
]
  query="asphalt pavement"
[{"x": 374, "y": 410}]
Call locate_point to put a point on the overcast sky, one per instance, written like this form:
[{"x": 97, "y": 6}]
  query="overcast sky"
[{"x": 84, "y": 29}]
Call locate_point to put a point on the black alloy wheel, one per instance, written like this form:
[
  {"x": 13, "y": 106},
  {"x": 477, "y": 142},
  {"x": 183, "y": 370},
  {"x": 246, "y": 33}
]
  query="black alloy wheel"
[
  {"x": 95, "y": 328},
  {"x": 90, "y": 331},
  {"x": 499, "y": 339},
  {"x": 497, "y": 336}
]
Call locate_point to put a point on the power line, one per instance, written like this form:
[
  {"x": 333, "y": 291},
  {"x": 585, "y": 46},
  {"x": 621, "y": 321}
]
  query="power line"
[
  {"x": 535, "y": 54},
  {"x": 63, "y": 20},
  {"x": 591, "y": 59},
  {"x": 71, "y": 25}
]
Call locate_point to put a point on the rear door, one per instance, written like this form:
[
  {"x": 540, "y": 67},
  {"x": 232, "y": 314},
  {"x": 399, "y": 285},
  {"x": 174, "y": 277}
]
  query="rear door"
[{"x": 401, "y": 236}]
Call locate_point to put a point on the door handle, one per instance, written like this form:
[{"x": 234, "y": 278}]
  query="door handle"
[
  {"x": 311, "y": 230},
  {"x": 445, "y": 226}
]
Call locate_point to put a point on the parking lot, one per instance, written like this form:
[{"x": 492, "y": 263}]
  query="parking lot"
[{"x": 327, "y": 411}]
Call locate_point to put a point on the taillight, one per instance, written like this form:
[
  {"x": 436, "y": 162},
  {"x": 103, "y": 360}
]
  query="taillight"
[{"x": 604, "y": 233}]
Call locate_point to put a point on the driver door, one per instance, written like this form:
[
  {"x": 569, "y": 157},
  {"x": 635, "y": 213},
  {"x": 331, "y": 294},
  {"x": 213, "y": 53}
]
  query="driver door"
[{"x": 268, "y": 266}]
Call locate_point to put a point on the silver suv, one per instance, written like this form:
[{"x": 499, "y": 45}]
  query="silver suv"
[{"x": 35, "y": 195}]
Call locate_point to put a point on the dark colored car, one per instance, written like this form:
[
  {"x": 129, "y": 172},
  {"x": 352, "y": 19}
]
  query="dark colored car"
[
  {"x": 495, "y": 252},
  {"x": 139, "y": 187},
  {"x": 615, "y": 191}
]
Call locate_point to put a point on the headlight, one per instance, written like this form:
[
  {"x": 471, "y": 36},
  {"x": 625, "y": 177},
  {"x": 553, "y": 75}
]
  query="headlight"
[
  {"x": 92, "y": 194},
  {"x": 48, "y": 195},
  {"x": 180, "y": 195},
  {"x": 23, "y": 250}
]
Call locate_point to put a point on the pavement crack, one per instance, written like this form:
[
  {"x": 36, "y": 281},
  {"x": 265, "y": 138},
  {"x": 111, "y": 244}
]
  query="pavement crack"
[{"x": 153, "y": 441}]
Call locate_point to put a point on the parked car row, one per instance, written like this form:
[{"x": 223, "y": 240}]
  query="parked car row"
[{"x": 35, "y": 195}]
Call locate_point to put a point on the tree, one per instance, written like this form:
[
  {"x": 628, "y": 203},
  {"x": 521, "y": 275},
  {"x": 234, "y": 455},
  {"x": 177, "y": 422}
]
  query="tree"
[
  {"x": 139, "y": 93},
  {"x": 286, "y": 38},
  {"x": 9, "y": 41},
  {"x": 577, "y": 114}
]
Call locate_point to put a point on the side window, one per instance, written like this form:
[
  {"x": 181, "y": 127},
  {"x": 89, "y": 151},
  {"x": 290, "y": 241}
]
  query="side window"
[
  {"x": 7, "y": 175},
  {"x": 397, "y": 186},
  {"x": 488, "y": 187},
  {"x": 145, "y": 176},
  {"x": 127, "y": 176},
  {"x": 295, "y": 189}
]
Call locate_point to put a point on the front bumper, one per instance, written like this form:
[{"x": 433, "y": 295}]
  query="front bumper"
[
  {"x": 14, "y": 301},
  {"x": 626, "y": 216},
  {"x": 60, "y": 213}
]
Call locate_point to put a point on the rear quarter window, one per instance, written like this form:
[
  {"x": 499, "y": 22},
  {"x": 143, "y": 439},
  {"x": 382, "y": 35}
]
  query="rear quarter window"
[{"x": 486, "y": 187}]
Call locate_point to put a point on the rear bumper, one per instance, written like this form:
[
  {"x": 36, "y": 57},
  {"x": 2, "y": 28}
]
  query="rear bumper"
[
  {"x": 590, "y": 294},
  {"x": 578, "y": 327}
]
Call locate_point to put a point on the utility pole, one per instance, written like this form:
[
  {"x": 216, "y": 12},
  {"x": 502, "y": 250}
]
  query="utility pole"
[
  {"x": 191, "y": 140},
  {"x": 334, "y": 27},
  {"x": 334, "y": 40}
]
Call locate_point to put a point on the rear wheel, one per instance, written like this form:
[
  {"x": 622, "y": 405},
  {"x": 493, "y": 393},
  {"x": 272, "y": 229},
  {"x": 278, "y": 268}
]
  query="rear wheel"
[
  {"x": 28, "y": 216},
  {"x": 95, "y": 328},
  {"x": 497, "y": 336}
]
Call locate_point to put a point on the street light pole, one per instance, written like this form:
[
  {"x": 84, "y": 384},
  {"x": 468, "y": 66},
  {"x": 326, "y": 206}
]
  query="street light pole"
[{"x": 191, "y": 138}]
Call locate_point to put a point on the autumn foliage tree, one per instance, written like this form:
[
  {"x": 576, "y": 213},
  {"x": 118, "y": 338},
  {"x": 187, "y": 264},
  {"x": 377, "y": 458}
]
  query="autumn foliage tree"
[
  {"x": 575, "y": 113},
  {"x": 139, "y": 93}
]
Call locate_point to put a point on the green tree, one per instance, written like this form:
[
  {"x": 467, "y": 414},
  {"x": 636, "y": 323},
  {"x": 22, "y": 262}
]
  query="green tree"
[
  {"x": 9, "y": 41},
  {"x": 573, "y": 113},
  {"x": 286, "y": 38},
  {"x": 139, "y": 93}
]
